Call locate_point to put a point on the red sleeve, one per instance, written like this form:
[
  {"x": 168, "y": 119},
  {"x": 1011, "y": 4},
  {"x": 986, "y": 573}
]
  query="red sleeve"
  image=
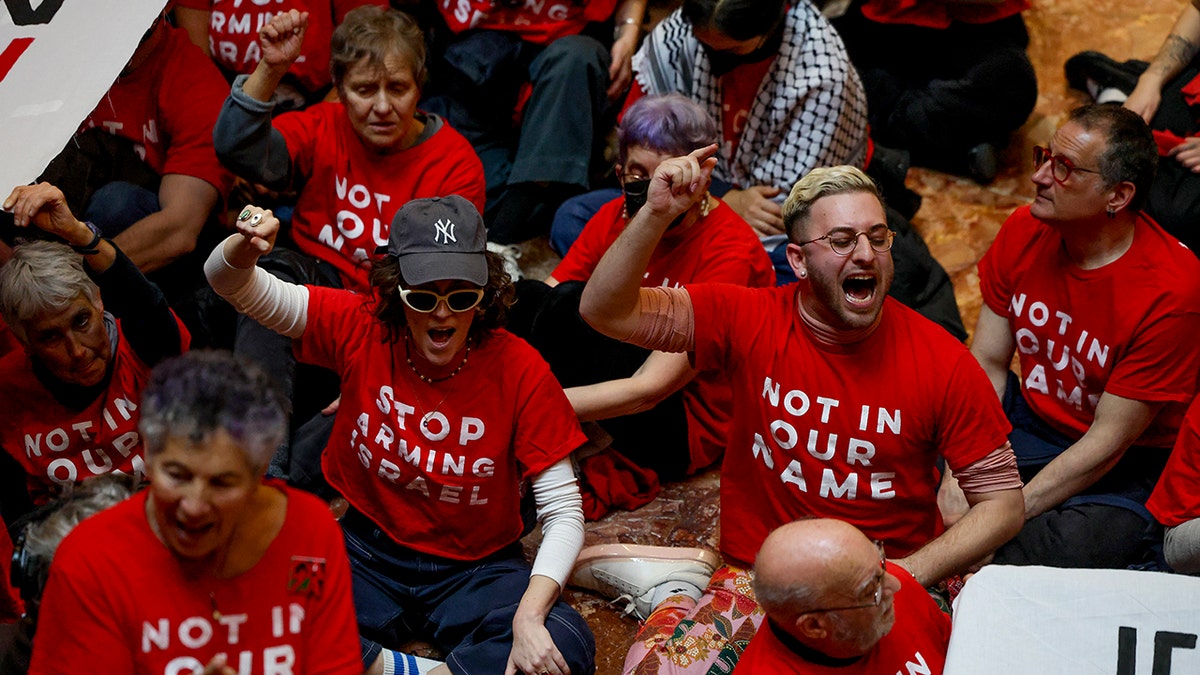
[
  {"x": 334, "y": 318},
  {"x": 715, "y": 309},
  {"x": 190, "y": 100},
  {"x": 336, "y": 651},
  {"x": 1176, "y": 498},
  {"x": 972, "y": 423},
  {"x": 341, "y": 7},
  {"x": 593, "y": 241},
  {"x": 302, "y": 130},
  {"x": 79, "y": 630},
  {"x": 995, "y": 284},
  {"x": 547, "y": 428}
]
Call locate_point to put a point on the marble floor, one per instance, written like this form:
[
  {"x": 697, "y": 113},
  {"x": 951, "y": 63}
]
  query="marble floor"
[{"x": 958, "y": 219}]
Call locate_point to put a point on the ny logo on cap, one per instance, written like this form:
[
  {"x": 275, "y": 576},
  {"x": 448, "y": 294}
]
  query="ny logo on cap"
[{"x": 443, "y": 232}]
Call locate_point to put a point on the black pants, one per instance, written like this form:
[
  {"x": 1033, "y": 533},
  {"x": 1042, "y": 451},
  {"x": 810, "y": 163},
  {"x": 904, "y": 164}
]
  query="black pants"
[
  {"x": 1106, "y": 526},
  {"x": 548, "y": 318},
  {"x": 938, "y": 92},
  {"x": 475, "y": 83}
]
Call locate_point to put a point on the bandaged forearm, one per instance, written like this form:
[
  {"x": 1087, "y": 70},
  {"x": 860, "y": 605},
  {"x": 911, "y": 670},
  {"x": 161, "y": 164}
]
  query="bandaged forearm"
[
  {"x": 667, "y": 323},
  {"x": 560, "y": 510},
  {"x": 274, "y": 303},
  {"x": 996, "y": 471}
]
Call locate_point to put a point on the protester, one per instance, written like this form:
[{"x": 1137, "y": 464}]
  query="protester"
[
  {"x": 1099, "y": 303},
  {"x": 444, "y": 416},
  {"x": 355, "y": 162},
  {"x": 221, "y": 571},
  {"x": 813, "y": 431},
  {"x": 834, "y": 604},
  {"x": 90, "y": 327}
]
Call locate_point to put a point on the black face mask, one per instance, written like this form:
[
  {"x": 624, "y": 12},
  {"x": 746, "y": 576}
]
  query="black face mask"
[
  {"x": 636, "y": 192},
  {"x": 723, "y": 62}
]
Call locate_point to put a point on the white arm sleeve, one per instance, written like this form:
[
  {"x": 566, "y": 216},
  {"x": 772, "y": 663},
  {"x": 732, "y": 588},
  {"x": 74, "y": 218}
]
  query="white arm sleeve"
[
  {"x": 273, "y": 302},
  {"x": 560, "y": 510}
]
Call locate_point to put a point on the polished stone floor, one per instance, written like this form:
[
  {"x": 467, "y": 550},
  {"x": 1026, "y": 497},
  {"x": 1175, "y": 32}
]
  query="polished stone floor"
[{"x": 958, "y": 219}]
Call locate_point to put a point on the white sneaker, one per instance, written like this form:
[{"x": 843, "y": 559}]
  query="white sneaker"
[
  {"x": 632, "y": 573},
  {"x": 510, "y": 254}
]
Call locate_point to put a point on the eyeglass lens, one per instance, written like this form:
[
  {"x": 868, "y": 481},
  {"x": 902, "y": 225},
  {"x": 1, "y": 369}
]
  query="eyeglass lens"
[
  {"x": 880, "y": 239},
  {"x": 457, "y": 301}
]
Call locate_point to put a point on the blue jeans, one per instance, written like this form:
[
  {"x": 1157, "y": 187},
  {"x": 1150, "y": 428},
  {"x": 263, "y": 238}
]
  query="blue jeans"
[{"x": 464, "y": 608}]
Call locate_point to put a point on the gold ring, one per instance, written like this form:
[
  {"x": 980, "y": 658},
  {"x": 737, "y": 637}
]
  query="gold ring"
[{"x": 245, "y": 214}]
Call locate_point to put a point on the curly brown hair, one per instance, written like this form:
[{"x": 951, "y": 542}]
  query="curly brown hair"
[{"x": 492, "y": 312}]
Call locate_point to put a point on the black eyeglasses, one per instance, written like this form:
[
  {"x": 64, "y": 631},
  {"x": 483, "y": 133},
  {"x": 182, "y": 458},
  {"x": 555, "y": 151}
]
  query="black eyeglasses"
[
  {"x": 1060, "y": 167},
  {"x": 878, "y": 586},
  {"x": 461, "y": 300},
  {"x": 843, "y": 242}
]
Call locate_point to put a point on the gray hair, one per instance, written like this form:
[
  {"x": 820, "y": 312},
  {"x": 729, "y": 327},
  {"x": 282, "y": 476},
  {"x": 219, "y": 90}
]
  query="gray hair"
[
  {"x": 41, "y": 276},
  {"x": 201, "y": 393},
  {"x": 818, "y": 183},
  {"x": 78, "y": 503}
]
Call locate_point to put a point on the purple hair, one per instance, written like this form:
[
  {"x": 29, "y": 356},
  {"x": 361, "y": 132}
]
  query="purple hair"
[
  {"x": 200, "y": 393},
  {"x": 672, "y": 124}
]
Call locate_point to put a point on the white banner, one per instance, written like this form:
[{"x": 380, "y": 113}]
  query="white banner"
[
  {"x": 57, "y": 58},
  {"x": 1077, "y": 622}
]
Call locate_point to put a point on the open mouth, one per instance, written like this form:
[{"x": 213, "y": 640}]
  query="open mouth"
[
  {"x": 440, "y": 337},
  {"x": 192, "y": 533},
  {"x": 859, "y": 289}
]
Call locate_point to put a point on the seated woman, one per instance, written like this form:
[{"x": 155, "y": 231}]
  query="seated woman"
[
  {"x": 222, "y": 30},
  {"x": 444, "y": 415},
  {"x": 218, "y": 569},
  {"x": 355, "y": 162},
  {"x": 631, "y": 389},
  {"x": 70, "y": 396}
]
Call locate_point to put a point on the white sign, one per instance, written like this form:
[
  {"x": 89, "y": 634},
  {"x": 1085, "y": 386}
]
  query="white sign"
[
  {"x": 57, "y": 58},
  {"x": 1075, "y": 621}
]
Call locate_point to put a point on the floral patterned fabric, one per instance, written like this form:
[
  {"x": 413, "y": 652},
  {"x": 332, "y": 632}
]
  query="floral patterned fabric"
[{"x": 705, "y": 636}]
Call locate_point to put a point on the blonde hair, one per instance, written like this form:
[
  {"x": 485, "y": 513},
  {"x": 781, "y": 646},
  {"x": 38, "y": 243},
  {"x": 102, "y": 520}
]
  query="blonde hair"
[{"x": 818, "y": 183}]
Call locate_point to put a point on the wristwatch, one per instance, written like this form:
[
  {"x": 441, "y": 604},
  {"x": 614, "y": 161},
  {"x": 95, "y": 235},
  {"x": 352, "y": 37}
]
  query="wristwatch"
[{"x": 93, "y": 246}]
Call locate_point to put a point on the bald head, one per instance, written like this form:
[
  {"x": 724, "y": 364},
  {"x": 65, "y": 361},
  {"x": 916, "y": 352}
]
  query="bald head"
[
  {"x": 818, "y": 579},
  {"x": 801, "y": 562}
]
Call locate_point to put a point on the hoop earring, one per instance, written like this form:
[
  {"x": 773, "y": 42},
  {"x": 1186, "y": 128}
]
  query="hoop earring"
[{"x": 706, "y": 205}]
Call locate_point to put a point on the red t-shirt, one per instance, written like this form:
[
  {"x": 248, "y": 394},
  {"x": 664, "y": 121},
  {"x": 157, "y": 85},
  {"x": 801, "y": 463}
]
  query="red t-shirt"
[
  {"x": 1128, "y": 328},
  {"x": 538, "y": 22},
  {"x": 350, "y": 194},
  {"x": 58, "y": 445},
  {"x": 939, "y": 14},
  {"x": 739, "y": 88},
  {"x": 1176, "y": 498},
  {"x": 916, "y": 643},
  {"x": 233, "y": 33},
  {"x": 719, "y": 248},
  {"x": 502, "y": 419},
  {"x": 846, "y": 432},
  {"x": 168, "y": 107},
  {"x": 118, "y": 601}
]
